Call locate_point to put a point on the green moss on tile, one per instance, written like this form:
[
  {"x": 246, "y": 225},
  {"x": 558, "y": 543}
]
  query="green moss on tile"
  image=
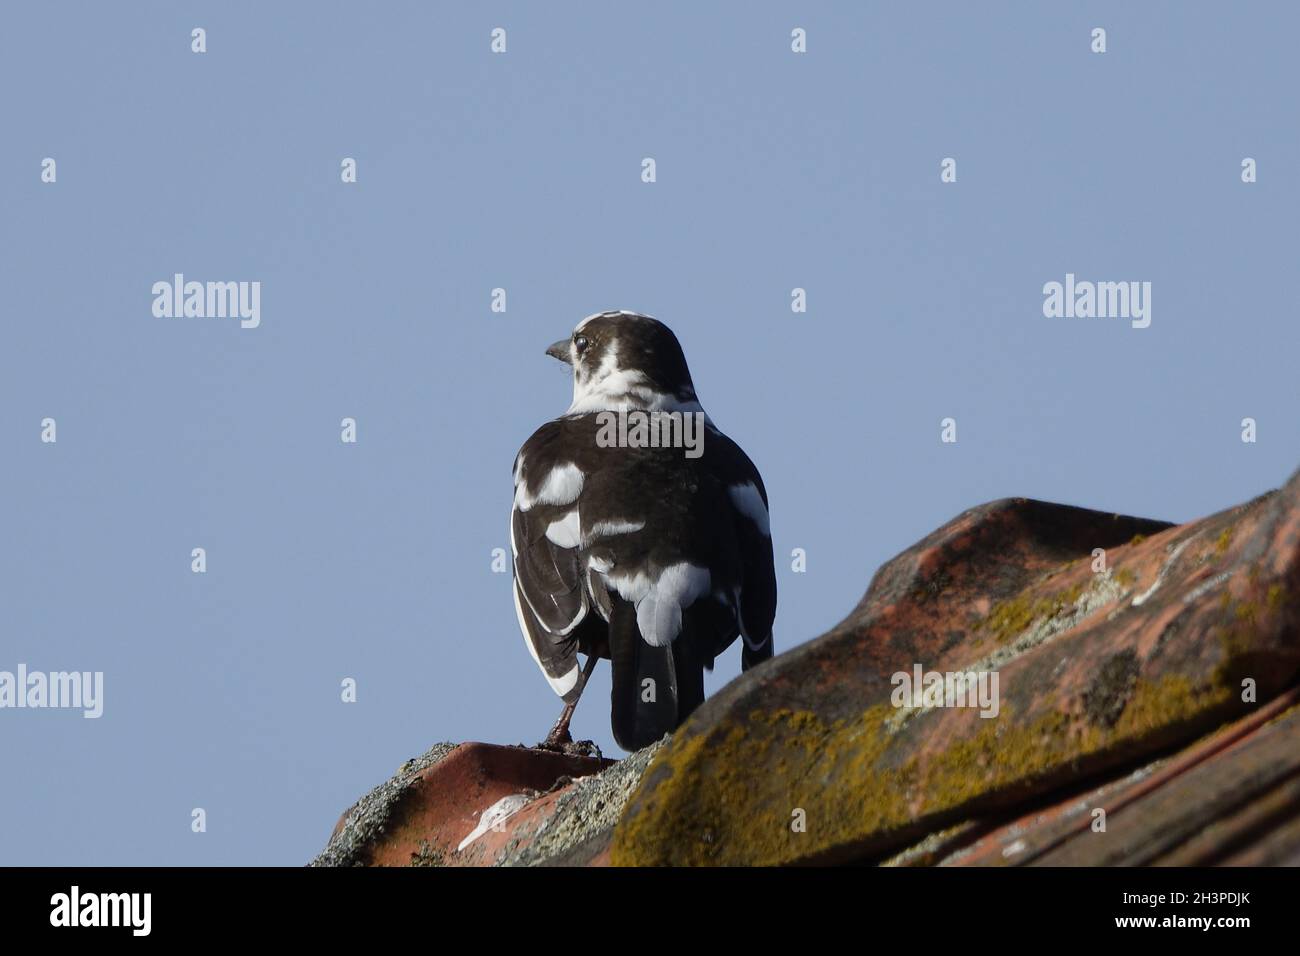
[{"x": 1009, "y": 619}]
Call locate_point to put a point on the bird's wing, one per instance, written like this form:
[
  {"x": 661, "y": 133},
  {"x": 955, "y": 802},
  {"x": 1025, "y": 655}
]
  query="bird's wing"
[
  {"x": 549, "y": 587},
  {"x": 756, "y": 602}
]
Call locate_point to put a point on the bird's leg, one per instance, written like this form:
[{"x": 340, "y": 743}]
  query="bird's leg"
[
  {"x": 559, "y": 734},
  {"x": 559, "y": 738}
]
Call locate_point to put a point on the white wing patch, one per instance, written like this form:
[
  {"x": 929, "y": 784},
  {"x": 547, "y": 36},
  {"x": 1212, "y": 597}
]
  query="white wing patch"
[
  {"x": 561, "y": 487},
  {"x": 565, "y": 533},
  {"x": 750, "y": 503},
  {"x": 561, "y": 685},
  {"x": 608, "y": 529},
  {"x": 514, "y": 546}
]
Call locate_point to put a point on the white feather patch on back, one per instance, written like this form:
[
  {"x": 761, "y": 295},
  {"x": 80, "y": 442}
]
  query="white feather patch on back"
[
  {"x": 750, "y": 503},
  {"x": 561, "y": 487}
]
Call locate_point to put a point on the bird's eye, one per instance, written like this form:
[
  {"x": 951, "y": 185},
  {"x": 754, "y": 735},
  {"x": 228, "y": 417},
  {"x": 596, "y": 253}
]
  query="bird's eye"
[{"x": 580, "y": 343}]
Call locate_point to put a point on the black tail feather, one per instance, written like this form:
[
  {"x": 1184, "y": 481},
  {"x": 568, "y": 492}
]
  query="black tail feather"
[
  {"x": 655, "y": 688},
  {"x": 698, "y": 628},
  {"x": 643, "y": 696}
]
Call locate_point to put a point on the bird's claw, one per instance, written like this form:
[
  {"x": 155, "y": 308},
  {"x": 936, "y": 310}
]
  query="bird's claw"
[{"x": 570, "y": 747}]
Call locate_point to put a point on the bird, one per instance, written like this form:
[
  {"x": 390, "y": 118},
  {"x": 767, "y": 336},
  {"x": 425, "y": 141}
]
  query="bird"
[{"x": 653, "y": 555}]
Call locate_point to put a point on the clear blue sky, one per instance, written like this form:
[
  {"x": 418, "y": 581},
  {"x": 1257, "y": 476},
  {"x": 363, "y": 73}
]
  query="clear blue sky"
[{"x": 522, "y": 171}]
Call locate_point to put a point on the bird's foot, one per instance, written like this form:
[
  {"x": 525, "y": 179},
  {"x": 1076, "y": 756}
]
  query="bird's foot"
[
  {"x": 559, "y": 735},
  {"x": 571, "y": 748},
  {"x": 560, "y": 741}
]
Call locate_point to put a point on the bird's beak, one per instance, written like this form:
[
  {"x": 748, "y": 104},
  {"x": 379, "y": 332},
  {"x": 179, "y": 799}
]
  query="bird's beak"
[{"x": 560, "y": 350}]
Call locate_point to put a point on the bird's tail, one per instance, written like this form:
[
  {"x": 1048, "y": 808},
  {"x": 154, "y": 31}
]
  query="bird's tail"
[
  {"x": 654, "y": 688},
  {"x": 751, "y": 656}
]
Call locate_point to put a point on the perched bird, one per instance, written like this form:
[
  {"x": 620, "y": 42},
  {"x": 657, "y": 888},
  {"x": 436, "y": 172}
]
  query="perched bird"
[{"x": 639, "y": 533}]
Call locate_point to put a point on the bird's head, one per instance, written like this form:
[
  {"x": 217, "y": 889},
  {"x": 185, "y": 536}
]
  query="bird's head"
[{"x": 623, "y": 361}]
